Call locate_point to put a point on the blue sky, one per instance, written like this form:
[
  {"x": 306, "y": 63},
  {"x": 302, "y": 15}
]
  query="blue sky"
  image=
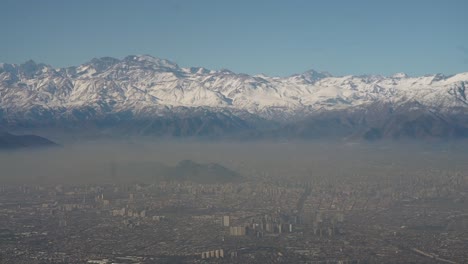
[{"x": 272, "y": 37}]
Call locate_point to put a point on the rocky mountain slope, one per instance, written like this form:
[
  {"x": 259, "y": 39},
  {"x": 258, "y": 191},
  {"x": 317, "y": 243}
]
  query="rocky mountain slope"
[{"x": 147, "y": 95}]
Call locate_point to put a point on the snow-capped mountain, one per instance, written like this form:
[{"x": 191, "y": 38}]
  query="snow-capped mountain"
[{"x": 148, "y": 88}]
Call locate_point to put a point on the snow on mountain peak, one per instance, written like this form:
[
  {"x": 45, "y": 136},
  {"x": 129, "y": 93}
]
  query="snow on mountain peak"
[
  {"x": 152, "y": 61},
  {"x": 310, "y": 76},
  {"x": 145, "y": 84},
  {"x": 196, "y": 70},
  {"x": 399, "y": 75},
  {"x": 104, "y": 61}
]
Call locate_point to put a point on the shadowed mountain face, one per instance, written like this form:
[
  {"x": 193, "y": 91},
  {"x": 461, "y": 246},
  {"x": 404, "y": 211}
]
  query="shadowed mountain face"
[
  {"x": 9, "y": 141},
  {"x": 143, "y": 95},
  {"x": 379, "y": 122}
]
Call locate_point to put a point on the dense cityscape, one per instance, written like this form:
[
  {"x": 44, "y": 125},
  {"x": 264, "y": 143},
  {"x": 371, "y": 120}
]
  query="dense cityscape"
[{"x": 318, "y": 219}]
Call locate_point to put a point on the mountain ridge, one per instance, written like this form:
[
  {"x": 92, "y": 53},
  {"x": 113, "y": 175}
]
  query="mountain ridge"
[{"x": 106, "y": 91}]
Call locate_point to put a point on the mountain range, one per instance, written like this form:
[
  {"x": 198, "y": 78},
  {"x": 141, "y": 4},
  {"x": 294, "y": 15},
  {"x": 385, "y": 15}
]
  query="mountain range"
[{"x": 144, "y": 95}]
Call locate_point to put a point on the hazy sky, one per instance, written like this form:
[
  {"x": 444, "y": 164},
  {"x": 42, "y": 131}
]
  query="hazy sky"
[{"x": 271, "y": 37}]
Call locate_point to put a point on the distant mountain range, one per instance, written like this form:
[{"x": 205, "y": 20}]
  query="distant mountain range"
[
  {"x": 143, "y": 95},
  {"x": 10, "y": 142}
]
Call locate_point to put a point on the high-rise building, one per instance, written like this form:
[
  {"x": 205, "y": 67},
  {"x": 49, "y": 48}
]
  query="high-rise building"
[
  {"x": 226, "y": 220},
  {"x": 237, "y": 230}
]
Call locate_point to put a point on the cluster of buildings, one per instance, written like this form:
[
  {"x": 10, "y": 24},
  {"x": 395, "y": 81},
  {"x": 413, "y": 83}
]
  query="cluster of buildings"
[
  {"x": 284, "y": 221},
  {"x": 218, "y": 253}
]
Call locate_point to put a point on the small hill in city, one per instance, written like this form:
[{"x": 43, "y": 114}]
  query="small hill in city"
[
  {"x": 188, "y": 170},
  {"x": 10, "y": 142}
]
